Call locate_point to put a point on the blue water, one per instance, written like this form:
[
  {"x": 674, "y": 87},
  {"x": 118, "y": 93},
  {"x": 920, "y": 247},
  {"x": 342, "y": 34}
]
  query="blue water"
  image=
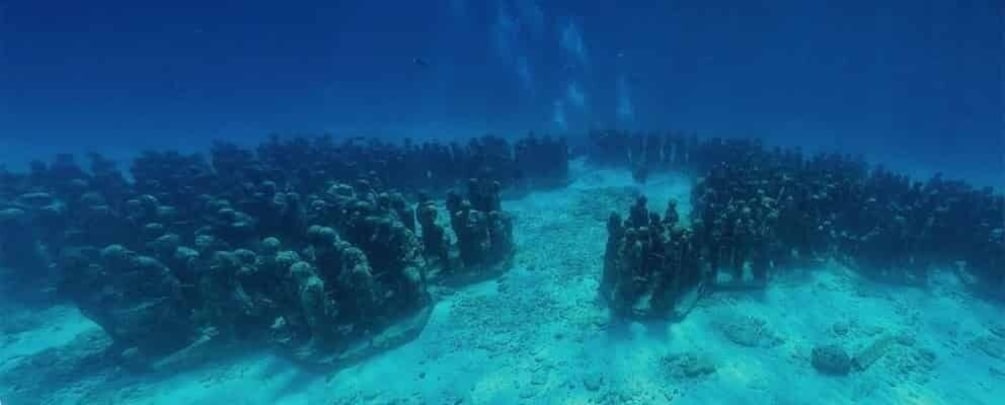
[
  {"x": 915, "y": 82},
  {"x": 918, "y": 86}
]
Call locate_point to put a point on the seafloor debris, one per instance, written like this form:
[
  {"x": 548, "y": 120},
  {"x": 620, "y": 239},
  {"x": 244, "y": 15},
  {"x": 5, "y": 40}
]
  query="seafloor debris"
[
  {"x": 749, "y": 331},
  {"x": 831, "y": 359},
  {"x": 593, "y": 382},
  {"x": 910, "y": 360},
  {"x": 841, "y": 328},
  {"x": 872, "y": 352},
  {"x": 688, "y": 365}
]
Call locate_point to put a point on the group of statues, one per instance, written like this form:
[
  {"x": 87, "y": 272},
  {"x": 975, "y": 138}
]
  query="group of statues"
[
  {"x": 318, "y": 247},
  {"x": 300, "y": 245},
  {"x": 756, "y": 210}
]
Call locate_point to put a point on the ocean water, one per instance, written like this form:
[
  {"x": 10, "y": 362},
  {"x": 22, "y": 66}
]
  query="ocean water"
[{"x": 917, "y": 88}]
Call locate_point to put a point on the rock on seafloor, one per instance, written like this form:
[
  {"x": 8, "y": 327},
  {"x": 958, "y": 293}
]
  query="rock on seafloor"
[{"x": 831, "y": 360}]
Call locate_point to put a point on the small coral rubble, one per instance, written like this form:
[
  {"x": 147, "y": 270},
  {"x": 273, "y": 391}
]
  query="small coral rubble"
[
  {"x": 831, "y": 359},
  {"x": 689, "y": 365}
]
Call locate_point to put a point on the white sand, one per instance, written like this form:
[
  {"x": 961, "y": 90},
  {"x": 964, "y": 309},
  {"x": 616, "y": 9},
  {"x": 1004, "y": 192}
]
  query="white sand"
[{"x": 538, "y": 336}]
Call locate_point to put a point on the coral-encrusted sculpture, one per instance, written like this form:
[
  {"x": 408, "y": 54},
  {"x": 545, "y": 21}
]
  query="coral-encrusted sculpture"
[
  {"x": 484, "y": 232},
  {"x": 134, "y": 298},
  {"x": 758, "y": 210},
  {"x": 298, "y": 243},
  {"x": 302, "y": 244},
  {"x": 435, "y": 242},
  {"x": 650, "y": 264}
]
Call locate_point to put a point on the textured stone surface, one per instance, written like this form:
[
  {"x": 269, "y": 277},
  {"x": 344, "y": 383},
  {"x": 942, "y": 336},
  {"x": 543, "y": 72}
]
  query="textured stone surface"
[
  {"x": 749, "y": 331},
  {"x": 831, "y": 359},
  {"x": 689, "y": 365}
]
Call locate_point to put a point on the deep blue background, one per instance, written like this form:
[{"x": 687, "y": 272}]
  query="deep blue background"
[{"x": 915, "y": 83}]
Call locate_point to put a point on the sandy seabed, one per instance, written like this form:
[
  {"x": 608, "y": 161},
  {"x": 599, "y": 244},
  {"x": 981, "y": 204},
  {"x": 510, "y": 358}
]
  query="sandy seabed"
[{"x": 538, "y": 335}]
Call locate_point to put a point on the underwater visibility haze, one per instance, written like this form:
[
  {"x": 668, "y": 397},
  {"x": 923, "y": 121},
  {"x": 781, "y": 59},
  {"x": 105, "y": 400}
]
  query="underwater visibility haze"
[{"x": 502, "y": 202}]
